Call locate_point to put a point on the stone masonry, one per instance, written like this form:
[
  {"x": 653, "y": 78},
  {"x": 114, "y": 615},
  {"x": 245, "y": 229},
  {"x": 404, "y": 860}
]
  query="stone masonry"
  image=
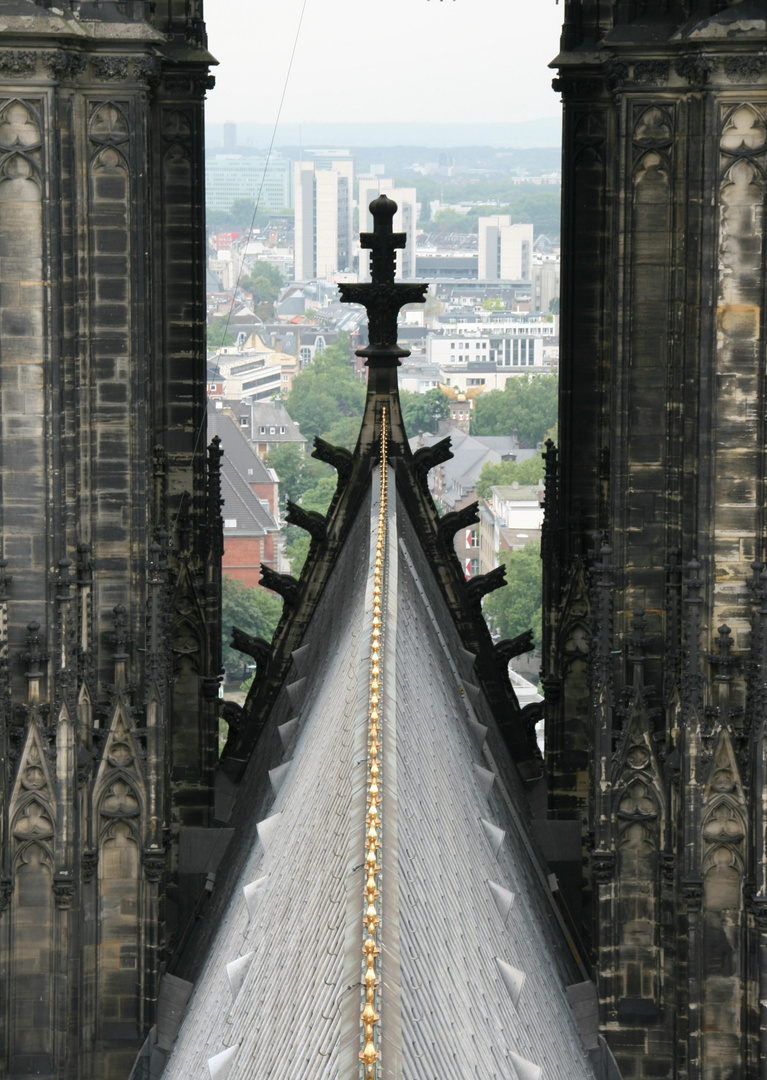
[
  {"x": 655, "y": 538},
  {"x": 110, "y": 533}
]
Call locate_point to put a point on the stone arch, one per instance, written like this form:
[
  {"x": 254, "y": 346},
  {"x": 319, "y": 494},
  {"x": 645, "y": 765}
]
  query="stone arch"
[
  {"x": 653, "y": 124},
  {"x": 19, "y": 126},
  {"x": 19, "y": 180},
  {"x": 109, "y": 123},
  {"x": 742, "y": 184},
  {"x": 744, "y": 129}
]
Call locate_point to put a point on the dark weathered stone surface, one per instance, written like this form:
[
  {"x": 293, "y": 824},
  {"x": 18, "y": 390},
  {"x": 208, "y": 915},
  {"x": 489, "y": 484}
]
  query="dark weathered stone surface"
[
  {"x": 109, "y": 632},
  {"x": 656, "y": 524}
]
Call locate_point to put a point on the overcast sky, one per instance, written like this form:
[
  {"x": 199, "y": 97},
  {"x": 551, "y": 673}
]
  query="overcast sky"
[{"x": 442, "y": 61}]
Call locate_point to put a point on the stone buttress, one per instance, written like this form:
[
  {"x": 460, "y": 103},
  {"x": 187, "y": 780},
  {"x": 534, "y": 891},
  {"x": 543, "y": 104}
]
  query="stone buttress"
[
  {"x": 655, "y": 530},
  {"x": 110, "y": 531}
]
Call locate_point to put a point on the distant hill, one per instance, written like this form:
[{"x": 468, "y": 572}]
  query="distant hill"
[{"x": 545, "y": 132}]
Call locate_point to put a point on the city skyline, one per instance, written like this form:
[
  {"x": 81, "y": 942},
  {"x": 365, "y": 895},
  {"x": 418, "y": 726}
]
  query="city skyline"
[{"x": 345, "y": 52}]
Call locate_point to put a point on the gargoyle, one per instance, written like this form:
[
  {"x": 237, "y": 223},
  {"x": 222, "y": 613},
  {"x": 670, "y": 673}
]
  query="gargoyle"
[
  {"x": 231, "y": 714},
  {"x": 257, "y": 647},
  {"x": 310, "y": 520},
  {"x": 337, "y": 456},
  {"x": 284, "y": 585},
  {"x": 483, "y": 584},
  {"x": 428, "y": 457},
  {"x": 510, "y": 647},
  {"x": 451, "y": 523}
]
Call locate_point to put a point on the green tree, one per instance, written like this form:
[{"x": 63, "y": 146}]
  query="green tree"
[
  {"x": 218, "y": 336},
  {"x": 261, "y": 269},
  {"x": 296, "y": 471},
  {"x": 297, "y": 542},
  {"x": 254, "y": 610},
  {"x": 326, "y": 391},
  {"x": 527, "y": 406},
  {"x": 529, "y": 471},
  {"x": 423, "y": 412},
  {"x": 453, "y": 221},
  {"x": 518, "y": 605},
  {"x": 493, "y": 303}
]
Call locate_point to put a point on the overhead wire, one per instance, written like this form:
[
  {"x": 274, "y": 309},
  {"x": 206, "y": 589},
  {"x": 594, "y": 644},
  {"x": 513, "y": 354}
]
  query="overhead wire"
[{"x": 203, "y": 419}]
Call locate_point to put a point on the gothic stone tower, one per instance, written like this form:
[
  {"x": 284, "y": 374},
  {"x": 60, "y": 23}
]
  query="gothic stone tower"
[
  {"x": 656, "y": 593},
  {"x": 109, "y": 520}
]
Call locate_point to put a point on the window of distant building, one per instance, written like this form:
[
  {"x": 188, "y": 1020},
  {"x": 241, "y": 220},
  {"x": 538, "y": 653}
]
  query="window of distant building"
[
  {"x": 262, "y": 431},
  {"x": 282, "y": 431},
  {"x": 243, "y": 421},
  {"x": 230, "y": 523},
  {"x": 271, "y": 431},
  {"x": 472, "y": 538}
]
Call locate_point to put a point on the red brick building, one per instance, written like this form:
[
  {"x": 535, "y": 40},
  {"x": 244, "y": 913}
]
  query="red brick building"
[{"x": 251, "y": 495}]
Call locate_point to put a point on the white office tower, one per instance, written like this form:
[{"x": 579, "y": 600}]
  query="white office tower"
[
  {"x": 370, "y": 187},
  {"x": 505, "y": 250},
  {"x": 546, "y": 272},
  {"x": 323, "y": 200}
]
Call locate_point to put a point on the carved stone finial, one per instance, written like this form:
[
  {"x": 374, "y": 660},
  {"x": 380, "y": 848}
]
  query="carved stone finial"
[{"x": 382, "y": 297}]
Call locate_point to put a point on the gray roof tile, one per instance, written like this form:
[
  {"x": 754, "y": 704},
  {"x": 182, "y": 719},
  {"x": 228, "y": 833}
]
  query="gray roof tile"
[{"x": 473, "y": 964}]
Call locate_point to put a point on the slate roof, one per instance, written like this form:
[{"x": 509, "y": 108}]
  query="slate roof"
[
  {"x": 238, "y": 453},
  {"x": 475, "y": 961},
  {"x": 240, "y": 468},
  {"x": 470, "y": 454}
]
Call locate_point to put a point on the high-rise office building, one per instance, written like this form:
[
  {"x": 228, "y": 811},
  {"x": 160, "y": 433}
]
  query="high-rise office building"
[
  {"x": 505, "y": 250},
  {"x": 229, "y": 177},
  {"x": 323, "y": 199},
  {"x": 370, "y": 187}
]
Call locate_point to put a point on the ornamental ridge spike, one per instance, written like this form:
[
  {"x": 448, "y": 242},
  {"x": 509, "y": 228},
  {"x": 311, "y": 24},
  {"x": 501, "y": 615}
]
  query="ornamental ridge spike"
[
  {"x": 525, "y": 1069},
  {"x": 485, "y": 779},
  {"x": 236, "y": 972},
  {"x": 513, "y": 979},
  {"x": 220, "y": 1066},
  {"x": 252, "y": 893},
  {"x": 495, "y": 836},
  {"x": 504, "y": 899},
  {"x": 277, "y": 775}
]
